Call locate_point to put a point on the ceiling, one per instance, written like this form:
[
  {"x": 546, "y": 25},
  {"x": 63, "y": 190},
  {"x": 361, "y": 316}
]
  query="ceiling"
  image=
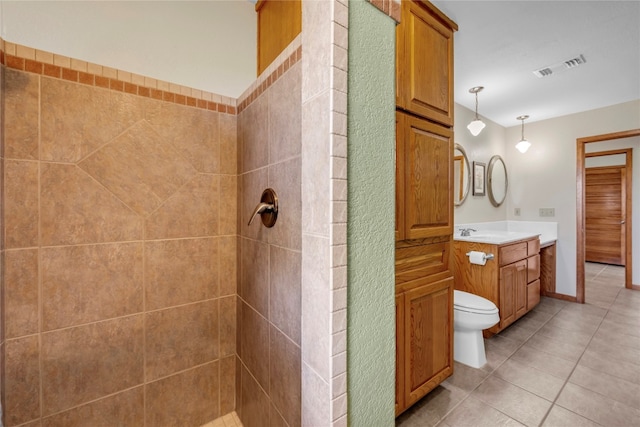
[{"x": 500, "y": 43}]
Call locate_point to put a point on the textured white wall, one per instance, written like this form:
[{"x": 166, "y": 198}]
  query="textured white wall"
[{"x": 206, "y": 45}]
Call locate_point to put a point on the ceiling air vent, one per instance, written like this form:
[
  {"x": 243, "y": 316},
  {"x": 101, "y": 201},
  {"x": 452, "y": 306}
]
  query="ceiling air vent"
[
  {"x": 543, "y": 72},
  {"x": 572, "y": 63},
  {"x": 561, "y": 66}
]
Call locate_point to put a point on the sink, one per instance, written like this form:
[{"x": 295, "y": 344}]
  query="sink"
[{"x": 494, "y": 237}]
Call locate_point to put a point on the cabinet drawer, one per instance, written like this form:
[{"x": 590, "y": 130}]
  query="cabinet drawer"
[
  {"x": 533, "y": 294},
  {"x": 422, "y": 260},
  {"x": 533, "y": 268},
  {"x": 533, "y": 247},
  {"x": 512, "y": 253}
]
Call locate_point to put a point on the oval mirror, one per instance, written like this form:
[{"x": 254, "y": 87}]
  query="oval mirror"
[
  {"x": 461, "y": 175},
  {"x": 497, "y": 180}
]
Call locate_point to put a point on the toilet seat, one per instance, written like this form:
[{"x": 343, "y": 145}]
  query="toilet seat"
[{"x": 471, "y": 303}]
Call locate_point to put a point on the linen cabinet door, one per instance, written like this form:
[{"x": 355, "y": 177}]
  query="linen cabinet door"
[
  {"x": 428, "y": 179},
  {"x": 428, "y": 338},
  {"x": 425, "y": 62}
]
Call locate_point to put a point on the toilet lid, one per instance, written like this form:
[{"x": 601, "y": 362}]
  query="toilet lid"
[{"x": 472, "y": 302}]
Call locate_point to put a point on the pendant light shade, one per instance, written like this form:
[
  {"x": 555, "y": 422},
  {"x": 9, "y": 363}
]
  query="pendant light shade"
[
  {"x": 523, "y": 145},
  {"x": 476, "y": 126}
]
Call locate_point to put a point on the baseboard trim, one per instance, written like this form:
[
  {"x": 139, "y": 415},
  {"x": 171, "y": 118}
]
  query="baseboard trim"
[{"x": 562, "y": 296}]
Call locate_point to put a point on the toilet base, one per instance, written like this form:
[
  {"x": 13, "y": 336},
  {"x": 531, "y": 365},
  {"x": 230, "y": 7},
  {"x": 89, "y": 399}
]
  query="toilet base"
[{"x": 468, "y": 348}]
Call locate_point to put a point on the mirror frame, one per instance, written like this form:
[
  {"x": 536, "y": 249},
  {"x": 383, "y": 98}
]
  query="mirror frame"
[
  {"x": 460, "y": 148},
  {"x": 494, "y": 159}
]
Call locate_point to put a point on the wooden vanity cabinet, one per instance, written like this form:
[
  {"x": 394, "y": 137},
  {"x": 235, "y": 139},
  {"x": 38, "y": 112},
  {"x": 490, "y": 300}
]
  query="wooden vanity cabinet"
[{"x": 511, "y": 280}]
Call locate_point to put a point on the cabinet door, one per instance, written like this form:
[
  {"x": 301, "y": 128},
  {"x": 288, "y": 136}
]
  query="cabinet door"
[
  {"x": 428, "y": 336},
  {"x": 400, "y": 359},
  {"x": 425, "y": 62},
  {"x": 400, "y": 138},
  {"x": 428, "y": 189},
  {"x": 513, "y": 292}
]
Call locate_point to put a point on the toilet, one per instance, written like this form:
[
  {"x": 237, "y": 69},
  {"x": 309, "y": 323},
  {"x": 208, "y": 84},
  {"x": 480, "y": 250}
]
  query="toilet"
[{"x": 471, "y": 314}]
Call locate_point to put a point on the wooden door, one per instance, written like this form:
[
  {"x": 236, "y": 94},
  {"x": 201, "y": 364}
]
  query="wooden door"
[
  {"x": 428, "y": 337},
  {"x": 605, "y": 208},
  {"x": 428, "y": 179},
  {"x": 400, "y": 138},
  {"x": 424, "y": 62}
]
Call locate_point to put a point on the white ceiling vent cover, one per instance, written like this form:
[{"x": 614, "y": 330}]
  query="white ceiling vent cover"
[{"x": 561, "y": 66}]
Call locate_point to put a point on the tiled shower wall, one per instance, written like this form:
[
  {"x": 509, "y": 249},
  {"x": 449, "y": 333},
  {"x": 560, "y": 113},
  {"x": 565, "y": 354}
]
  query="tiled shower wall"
[
  {"x": 269, "y": 304},
  {"x": 120, "y": 247}
]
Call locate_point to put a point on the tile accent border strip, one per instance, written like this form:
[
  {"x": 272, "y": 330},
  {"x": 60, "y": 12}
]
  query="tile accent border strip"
[
  {"x": 388, "y": 7},
  {"x": 48, "y": 64}
]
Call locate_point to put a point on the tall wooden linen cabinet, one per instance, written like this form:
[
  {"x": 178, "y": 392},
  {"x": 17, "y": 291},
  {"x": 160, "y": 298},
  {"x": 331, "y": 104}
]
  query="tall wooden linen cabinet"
[{"x": 424, "y": 201}]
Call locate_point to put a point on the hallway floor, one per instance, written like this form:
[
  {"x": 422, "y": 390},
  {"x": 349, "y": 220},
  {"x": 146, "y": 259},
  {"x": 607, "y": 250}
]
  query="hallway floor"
[{"x": 562, "y": 364}]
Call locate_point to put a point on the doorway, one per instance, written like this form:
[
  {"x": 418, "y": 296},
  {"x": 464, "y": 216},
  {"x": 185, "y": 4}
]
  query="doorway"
[{"x": 625, "y": 220}]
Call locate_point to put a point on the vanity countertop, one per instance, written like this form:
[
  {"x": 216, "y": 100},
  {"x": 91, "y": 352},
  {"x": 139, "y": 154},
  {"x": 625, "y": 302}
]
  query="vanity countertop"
[{"x": 495, "y": 237}]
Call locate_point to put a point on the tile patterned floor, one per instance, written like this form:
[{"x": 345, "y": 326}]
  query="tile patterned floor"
[
  {"x": 562, "y": 364},
  {"x": 229, "y": 420}
]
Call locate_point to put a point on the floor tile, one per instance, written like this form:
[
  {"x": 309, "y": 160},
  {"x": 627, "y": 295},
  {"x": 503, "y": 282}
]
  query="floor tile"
[
  {"x": 544, "y": 362},
  {"x": 430, "y": 410},
  {"x": 560, "y": 348},
  {"x": 597, "y": 407},
  {"x": 519, "y": 404},
  {"x": 560, "y": 417},
  {"x": 607, "y": 385},
  {"x": 474, "y": 412},
  {"x": 530, "y": 379},
  {"x": 604, "y": 364}
]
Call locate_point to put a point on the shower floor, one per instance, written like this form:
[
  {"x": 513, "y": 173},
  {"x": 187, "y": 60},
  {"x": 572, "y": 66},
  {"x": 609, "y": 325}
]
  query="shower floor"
[{"x": 229, "y": 420}]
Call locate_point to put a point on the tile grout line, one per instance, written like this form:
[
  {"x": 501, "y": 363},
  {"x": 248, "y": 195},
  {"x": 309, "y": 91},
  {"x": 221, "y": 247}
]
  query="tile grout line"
[{"x": 574, "y": 368}]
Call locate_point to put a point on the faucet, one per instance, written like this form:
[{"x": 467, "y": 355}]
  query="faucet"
[{"x": 466, "y": 232}]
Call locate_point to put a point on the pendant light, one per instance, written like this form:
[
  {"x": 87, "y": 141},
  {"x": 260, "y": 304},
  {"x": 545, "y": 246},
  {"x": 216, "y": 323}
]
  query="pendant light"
[
  {"x": 523, "y": 145},
  {"x": 476, "y": 126}
]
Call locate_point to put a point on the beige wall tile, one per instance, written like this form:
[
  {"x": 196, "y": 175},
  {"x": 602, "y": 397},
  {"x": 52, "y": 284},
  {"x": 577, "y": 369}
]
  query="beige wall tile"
[
  {"x": 21, "y": 380},
  {"x": 25, "y": 52},
  {"x": 84, "y": 363},
  {"x": 228, "y": 275},
  {"x": 180, "y": 338},
  {"x": 254, "y": 126},
  {"x": 21, "y": 109},
  {"x": 316, "y": 39},
  {"x": 228, "y": 144},
  {"x": 82, "y": 284},
  {"x": 315, "y": 399},
  {"x": 105, "y": 114},
  {"x": 228, "y": 205},
  {"x": 139, "y": 167},
  {"x": 285, "y": 131},
  {"x": 284, "y": 376},
  {"x": 193, "y": 211},
  {"x": 315, "y": 145},
  {"x": 254, "y": 275},
  {"x": 180, "y": 271},
  {"x": 316, "y": 306},
  {"x": 255, "y": 402},
  {"x": 285, "y": 179},
  {"x": 192, "y": 131},
  {"x": 228, "y": 323},
  {"x": 255, "y": 345},
  {"x": 193, "y": 405},
  {"x": 251, "y": 186},
  {"x": 227, "y": 384},
  {"x": 20, "y": 204},
  {"x": 284, "y": 288},
  {"x": 21, "y": 293},
  {"x": 69, "y": 216},
  {"x": 125, "y": 409}
]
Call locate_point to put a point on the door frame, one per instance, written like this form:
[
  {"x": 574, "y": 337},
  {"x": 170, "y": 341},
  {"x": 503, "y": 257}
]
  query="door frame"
[{"x": 580, "y": 211}]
